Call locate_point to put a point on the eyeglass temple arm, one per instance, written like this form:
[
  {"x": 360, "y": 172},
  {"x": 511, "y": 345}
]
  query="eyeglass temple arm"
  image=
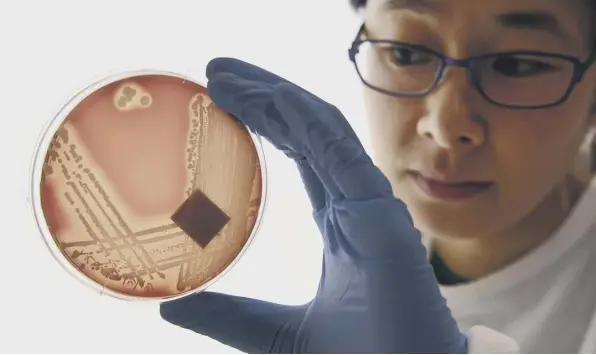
[{"x": 353, "y": 50}]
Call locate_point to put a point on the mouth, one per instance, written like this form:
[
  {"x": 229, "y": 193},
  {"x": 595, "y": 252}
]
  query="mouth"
[{"x": 449, "y": 189}]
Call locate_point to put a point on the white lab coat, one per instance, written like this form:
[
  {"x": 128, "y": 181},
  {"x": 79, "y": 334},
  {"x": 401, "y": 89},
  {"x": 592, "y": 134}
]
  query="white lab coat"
[{"x": 543, "y": 303}]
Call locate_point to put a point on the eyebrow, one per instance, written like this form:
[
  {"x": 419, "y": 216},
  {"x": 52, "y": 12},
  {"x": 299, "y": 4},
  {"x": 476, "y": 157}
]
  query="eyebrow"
[
  {"x": 533, "y": 20},
  {"x": 415, "y": 5}
]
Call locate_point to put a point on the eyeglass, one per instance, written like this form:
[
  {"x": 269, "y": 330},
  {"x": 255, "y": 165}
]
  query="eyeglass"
[{"x": 517, "y": 80}]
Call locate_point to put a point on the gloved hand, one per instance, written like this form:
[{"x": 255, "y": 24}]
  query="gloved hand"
[{"x": 378, "y": 292}]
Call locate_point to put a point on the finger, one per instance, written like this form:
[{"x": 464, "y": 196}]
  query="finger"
[
  {"x": 242, "y": 69},
  {"x": 252, "y": 103},
  {"x": 253, "y": 73},
  {"x": 242, "y": 99},
  {"x": 313, "y": 186},
  {"x": 246, "y": 324},
  {"x": 333, "y": 153}
]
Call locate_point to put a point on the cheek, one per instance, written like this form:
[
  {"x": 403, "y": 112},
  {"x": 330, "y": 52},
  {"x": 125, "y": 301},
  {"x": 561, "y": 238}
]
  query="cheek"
[{"x": 535, "y": 152}]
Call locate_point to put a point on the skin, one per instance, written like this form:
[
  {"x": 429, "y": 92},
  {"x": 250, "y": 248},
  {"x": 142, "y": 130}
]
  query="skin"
[{"x": 454, "y": 133}]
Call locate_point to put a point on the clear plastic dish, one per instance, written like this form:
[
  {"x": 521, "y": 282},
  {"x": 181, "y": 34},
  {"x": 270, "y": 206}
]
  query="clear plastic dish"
[{"x": 144, "y": 190}]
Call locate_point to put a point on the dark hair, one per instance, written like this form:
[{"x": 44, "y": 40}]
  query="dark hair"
[{"x": 357, "y": 4}]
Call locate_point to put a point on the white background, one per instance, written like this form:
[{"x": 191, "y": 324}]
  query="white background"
[{"x": 51, "y": 49}]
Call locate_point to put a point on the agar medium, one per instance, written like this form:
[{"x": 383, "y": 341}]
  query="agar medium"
[{"x": 144, "y": 189}]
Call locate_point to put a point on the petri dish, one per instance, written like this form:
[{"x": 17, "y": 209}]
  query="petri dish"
[{"x": 143, "y": 189}]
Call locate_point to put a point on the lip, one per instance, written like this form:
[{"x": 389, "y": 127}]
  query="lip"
[{"x": 445, "y": 189}]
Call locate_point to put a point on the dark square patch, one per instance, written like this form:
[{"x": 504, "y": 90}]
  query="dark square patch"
[{"x": 200, "y": 218}]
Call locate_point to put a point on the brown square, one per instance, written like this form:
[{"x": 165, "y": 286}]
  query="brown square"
[{"x": 200, "y": 218}]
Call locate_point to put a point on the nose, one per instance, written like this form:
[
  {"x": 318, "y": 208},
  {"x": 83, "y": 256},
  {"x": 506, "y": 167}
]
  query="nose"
[{"x": 450, "y": 120}]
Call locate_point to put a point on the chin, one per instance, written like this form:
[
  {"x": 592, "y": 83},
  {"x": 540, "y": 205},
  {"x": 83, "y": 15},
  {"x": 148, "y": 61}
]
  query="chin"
[
  {"x": 433, "y": 227},
  {"x": 462, "y": 221}
]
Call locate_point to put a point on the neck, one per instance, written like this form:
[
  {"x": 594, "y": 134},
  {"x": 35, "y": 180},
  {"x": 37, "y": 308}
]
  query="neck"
[{"x": 473, "y": 258}]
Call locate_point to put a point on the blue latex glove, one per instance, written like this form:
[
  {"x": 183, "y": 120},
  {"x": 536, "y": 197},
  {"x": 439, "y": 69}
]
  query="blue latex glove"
[{"x": 378, "y": 292}]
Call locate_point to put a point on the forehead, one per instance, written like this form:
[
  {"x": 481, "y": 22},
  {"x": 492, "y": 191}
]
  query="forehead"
[
  {"x": 561, "y": 7},
  {"x": 570, "y": 19}
]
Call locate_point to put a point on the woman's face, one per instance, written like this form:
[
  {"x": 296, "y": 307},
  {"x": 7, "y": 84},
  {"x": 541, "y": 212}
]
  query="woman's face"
[{"x": 454, "y": 135}]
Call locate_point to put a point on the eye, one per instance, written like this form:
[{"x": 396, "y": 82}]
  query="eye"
[
  {"x": 522, "y": 66},
  {"x": 405, "y": 56}
]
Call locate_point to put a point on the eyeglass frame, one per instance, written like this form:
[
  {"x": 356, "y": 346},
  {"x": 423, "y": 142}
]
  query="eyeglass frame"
[{"x": 580, "y": 67}]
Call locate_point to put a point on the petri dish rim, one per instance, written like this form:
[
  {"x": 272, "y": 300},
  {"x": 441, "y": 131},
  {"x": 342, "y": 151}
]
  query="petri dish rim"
[{"x": 36, "y": 173}]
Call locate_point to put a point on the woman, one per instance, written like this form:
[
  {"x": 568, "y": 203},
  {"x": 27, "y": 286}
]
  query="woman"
[{"x": 478, "y": 110}]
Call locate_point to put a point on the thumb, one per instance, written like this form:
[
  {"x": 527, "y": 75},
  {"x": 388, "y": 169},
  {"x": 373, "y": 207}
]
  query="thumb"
[{"x": 249, "y": 325}]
